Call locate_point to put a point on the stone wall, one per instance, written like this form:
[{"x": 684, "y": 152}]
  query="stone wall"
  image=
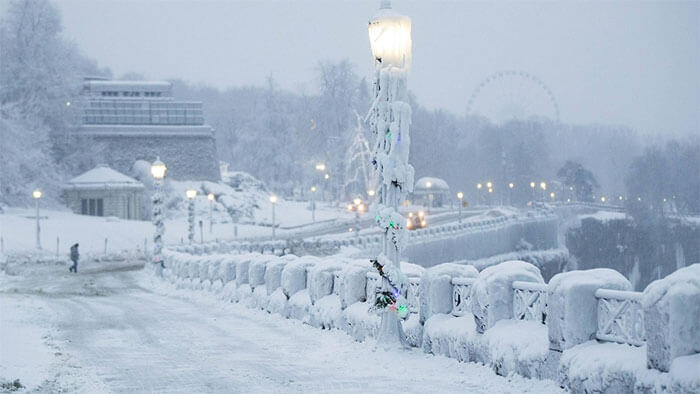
[{"x": 188, "y": 156}]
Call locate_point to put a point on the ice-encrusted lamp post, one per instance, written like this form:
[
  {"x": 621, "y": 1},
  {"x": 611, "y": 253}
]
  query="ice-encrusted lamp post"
[
  {"x": 158, "y": 172},
  {"x": 191, "y": 194},
  {"x": 389, "y": 119},
  {"x": 37, "y": 196}
]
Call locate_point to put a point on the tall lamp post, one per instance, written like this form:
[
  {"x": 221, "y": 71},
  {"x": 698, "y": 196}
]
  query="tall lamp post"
[
  {"x": 390, "y": 117},
  {"x": 211, "y": 197},
  {"x": 313, "y": 203},
  {"x": 511, "y": 185},
  {"x": 273, "y": 201},
  {"x": 37, "y": 196},
  {"x": 191, "y": 194},
  {"x": 460, "y": 196},
  {"x": 158, "y": 172}
]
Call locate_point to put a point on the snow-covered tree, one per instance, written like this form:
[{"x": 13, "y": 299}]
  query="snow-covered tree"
[
  {"x": 40, "y": 73},
  {"x": 581, "y": 180}
]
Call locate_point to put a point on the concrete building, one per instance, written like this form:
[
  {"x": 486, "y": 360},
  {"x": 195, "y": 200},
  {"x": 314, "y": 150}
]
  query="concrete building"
[
  {"x": 103, "y": 191},
  {"x": 140, "y": 120}
]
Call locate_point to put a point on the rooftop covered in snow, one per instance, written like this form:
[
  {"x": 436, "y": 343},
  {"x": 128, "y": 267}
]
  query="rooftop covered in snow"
[{"x": 102, "y": 177}]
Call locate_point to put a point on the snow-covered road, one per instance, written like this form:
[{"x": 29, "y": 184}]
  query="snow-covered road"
[{"x": 112, "y": 329}]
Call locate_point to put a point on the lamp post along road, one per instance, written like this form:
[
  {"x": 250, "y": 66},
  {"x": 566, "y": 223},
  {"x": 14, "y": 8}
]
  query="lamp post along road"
[
  {"x": 460, "y": 196},
  {"x": 273, "y": 201},
  {"x": 191, "y": 194},
  {"x": 389, "y": 119},
  {"x": 37, "y": 196},
  {"x": 211, "y": 197},
  {"x": 158, "y": 172}
]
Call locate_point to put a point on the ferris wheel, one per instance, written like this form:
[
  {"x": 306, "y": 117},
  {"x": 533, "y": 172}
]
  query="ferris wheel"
[{"x": 513, "y": 95}]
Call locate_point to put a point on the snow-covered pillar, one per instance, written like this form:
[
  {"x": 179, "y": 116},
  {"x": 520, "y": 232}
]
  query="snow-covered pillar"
[
  {"x": 390, "y": 118},
  {"x": 158, "y": 171},
  {"x": 572, "y": 313},
  {"x": 672, "y": 317}
]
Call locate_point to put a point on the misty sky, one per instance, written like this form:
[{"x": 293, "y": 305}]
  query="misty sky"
[{"x": 634, "y": 63}]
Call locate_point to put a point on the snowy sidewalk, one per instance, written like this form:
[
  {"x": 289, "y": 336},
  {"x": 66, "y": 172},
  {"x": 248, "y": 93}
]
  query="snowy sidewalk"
[{"x": 124, "y": 337}]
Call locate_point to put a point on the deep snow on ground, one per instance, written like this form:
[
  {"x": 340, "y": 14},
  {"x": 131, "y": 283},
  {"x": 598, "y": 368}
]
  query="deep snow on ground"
[
  {"x": 112, "y": 328},
  {"x": 18, "y": 228}
]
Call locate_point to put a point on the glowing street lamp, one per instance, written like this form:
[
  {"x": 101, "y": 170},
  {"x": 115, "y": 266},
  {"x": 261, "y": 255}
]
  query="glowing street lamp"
[
  {"x": 552, "y": 195},
  {"x": 602, "y": 199},
  {"x": 273, "y": 200},
  {"x": 313, "y": 203},
  {"x": 489, "y": 185},
  {"x": 390, "y": 41},
  {"x": 320, "y": 167},
  {"x": 37, "y": 196},
  {"x": 371, "y": 192},
  {"x": 460, "y": 197}
]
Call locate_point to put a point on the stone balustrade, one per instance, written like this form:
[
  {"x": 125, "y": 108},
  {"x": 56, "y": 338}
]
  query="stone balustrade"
[{"x": 585, "y": 329}]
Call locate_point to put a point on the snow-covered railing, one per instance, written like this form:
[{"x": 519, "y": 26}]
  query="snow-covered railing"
[
  {"x": 372, "y": 287},
  {"x": 620, "y": 317},
  {"x": 529, "y": 301},
  {"x": 461, "y": 296},
  {"x": 413, "y": 294},
  {"x": 337, "y": 283}
]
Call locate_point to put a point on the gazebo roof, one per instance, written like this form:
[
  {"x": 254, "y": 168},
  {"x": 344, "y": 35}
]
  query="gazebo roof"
[
  {"x": 436, "y": 185},
  {"x": 103, "y": 177}
]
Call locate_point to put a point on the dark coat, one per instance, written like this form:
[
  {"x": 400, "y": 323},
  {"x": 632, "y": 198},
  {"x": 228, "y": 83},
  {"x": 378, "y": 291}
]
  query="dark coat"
[{"x": 74, "y": 255}]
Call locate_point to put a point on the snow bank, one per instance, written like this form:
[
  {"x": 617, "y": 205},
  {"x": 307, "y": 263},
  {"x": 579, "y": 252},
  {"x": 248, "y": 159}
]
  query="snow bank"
[
  {"x": 450, "y": 336},
  {"x": 593, "y": 367},
  {"x": 518, "y": 346},
  {"x": 572, "y": 314},
  {"x": 321, "y": 275},
  {"x": 672, "y": 317},
  {"x": 492, "y": 292},
  {"x": 436, "y": 288},
  {"x": 359, "y": 323},
  {"x": 299, "y": 305},
  {"x": 685, "y": 374}
]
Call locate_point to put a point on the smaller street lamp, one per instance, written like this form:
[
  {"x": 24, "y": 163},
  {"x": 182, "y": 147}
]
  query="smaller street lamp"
[
  {"x": 313, "y": 203},
  {"x": 211, "y": 197},
  {"x": 191, "y": 194},
  {"x": 358, "y": 206},
  {"x": 273, "y": 200},
  {"x": 543, "y": 186},
  {"x": 460, "y": 196},
  {"x": 37, "y": 195},
  {"x": 552, "y": 195},
  {"x": 371, "y": 192}
]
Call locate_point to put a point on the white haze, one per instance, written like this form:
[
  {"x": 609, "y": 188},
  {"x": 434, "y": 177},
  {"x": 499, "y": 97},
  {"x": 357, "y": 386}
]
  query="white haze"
[{"x": 627, "y": 62}]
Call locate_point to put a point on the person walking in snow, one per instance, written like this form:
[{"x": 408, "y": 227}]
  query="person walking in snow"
[{"x": 74, "y": 255}]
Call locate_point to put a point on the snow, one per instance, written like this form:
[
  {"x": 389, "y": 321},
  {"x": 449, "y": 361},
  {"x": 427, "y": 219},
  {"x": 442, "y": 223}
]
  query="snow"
[
  {"x": 605, "y": 216},
  {"x": 436, "y": 288},
  {"x": 685, "y": 372},
  {"x": 23, "y": 353},
  {"x": 450, "y": 336},
  {"x": 602, "y": 367},
  {"x": 672, "y": 312},
  {"x": 273, "y": 274},
  {"x": 103, "y": 176},
  {"x": 572, "y": 306},
  {"x": 492, "y": 292},
  {"x": 517, "y": 346}
]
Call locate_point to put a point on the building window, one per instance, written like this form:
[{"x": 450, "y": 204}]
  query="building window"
[{"x": 92, "y": 206}]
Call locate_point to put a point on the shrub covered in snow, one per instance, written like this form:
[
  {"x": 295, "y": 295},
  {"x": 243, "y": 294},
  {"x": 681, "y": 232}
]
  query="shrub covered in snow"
[
  {"x": 672, "y": 317},
  {"x": 273, "y": 274},
  {"x": 492, "y": 292},
  {"x": 572, "y": 306}
]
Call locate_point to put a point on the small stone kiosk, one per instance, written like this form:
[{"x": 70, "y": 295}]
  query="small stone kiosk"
[
  {"x": 103, "y": 191},
  {"x": 430, "y": 188}
]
